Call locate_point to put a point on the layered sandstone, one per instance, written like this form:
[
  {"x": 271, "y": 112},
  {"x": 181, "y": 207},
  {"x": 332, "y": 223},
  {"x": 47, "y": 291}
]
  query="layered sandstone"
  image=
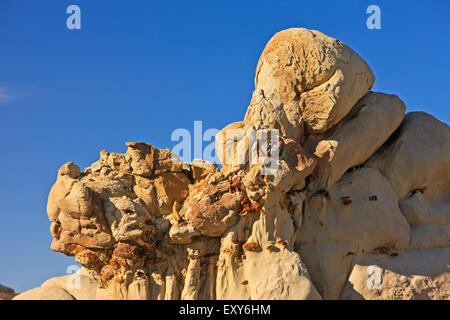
[{"x": 358, "y": 206}]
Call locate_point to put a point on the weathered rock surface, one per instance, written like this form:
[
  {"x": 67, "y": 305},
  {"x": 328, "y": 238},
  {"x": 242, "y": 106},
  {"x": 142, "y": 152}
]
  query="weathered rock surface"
[
  {"x": 6, "y": 293},
  {"x": 417, "y": 163},
  {"x": 78, "y": 286},
  {"x": 423, "y": 142},
  {"x": 349, "y": 224},
  {"x": 375, "y": 117},
  {"x": 306, "y": 77},
  {"x": 403, "y": 275},
  {"x": 348, "y": 188},
  {"x": 44, "y": 293}
]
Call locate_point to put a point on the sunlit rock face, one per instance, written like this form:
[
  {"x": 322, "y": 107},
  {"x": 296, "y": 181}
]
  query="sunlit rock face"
[{"x": 357, "y": 208}]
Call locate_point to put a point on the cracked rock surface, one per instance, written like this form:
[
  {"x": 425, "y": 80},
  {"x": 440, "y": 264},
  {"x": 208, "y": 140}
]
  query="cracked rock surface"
[{"x": 358, "y": 208}]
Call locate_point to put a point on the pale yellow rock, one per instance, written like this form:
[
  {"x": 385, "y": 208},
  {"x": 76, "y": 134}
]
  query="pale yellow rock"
[
  {"x": 356, "y": 138},
  {"x": 408, "y": 275},
  {"x": 306, "y": 76},
  {"x": 146, "y": 160},
  {"x": 418, "y": 210},
  {"x": 6, "y": 293},
  {"x": 169, "y": 188},
  {"x": 348, "y": 223},
  {"x": 342, "y": 179},
  {"x": 232, "y": 144},
  {"x": 192, "y": 282},
  {"x": 171, "y": 285},
  {"x": 230, "y": 283},
  {"x": 76, "y": 286},
  {"x": 417, "y": 159},
  {"x": 282, "y": 277},
  {"x": 139, "y": 289},
  {"x": 127, "y": 219},
  {"x": 200, "y": 169},
  {"x": 80, "y": 286}
]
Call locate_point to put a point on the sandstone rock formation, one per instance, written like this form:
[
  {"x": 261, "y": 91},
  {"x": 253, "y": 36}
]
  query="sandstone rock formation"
[
  {"x": 358, "y": 206},
  {"x": 413, "y": 274},
  {"x": 6, "y": 293}
]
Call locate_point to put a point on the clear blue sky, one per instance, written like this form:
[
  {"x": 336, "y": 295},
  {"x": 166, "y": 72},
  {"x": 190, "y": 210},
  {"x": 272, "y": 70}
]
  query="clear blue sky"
[{"x": 137, "y": 70}]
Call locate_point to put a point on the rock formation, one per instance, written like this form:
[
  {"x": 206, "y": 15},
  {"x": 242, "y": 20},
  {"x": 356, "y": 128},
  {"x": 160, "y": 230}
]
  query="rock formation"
[
  {"x": 357, "y": 208},
  {"x": 6, "y": 293}
]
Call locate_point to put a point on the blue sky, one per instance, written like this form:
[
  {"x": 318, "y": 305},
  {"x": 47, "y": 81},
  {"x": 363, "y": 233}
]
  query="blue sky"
[{"x": 137, "y": 70}]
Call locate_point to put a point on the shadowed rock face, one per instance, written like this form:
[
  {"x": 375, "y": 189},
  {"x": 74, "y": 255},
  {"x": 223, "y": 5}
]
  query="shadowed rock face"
[
  {"x": 358, "y": 187},
  {"x": 6, "y": 293}
]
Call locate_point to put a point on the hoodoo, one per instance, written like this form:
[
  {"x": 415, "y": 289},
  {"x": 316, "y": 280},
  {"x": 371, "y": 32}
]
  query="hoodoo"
[{"x": 358, "y": 206}]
